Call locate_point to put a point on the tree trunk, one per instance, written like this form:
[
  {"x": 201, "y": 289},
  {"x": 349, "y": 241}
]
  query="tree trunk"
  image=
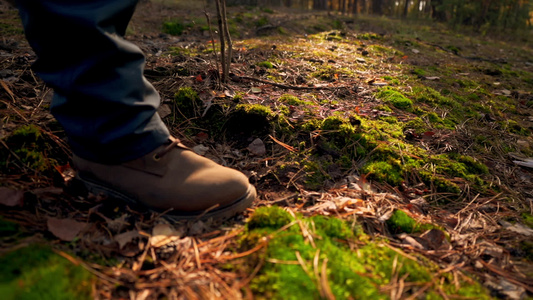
[
  {"x": 376, "y": 7},
  {"x": 406, "y": 8}
]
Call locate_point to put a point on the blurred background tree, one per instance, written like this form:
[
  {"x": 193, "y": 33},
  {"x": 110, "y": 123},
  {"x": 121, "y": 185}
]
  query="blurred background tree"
[{"x": 480, "y": 14}]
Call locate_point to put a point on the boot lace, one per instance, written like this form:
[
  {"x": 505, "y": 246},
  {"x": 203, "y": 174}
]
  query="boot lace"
[{"x": 174, "y": 142}]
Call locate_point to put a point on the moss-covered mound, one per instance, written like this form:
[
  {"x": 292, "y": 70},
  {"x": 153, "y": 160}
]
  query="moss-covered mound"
[{"x": 317, "y": 257}]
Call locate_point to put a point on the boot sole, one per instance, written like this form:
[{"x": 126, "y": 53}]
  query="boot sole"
[{"x": 221, "y": 213}]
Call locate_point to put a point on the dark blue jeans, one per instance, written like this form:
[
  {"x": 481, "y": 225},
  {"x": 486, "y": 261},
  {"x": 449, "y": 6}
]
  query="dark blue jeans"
[{"x": 101, "y": 98}]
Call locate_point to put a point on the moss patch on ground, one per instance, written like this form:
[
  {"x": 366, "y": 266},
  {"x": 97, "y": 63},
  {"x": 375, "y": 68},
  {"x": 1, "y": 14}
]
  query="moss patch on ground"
[
  {"x": 309, "y": 257},
  {"x": 28, "y": 147},
  {"x": 36, "y": 272},
  {"x": 400, "y": 222},
  {"x": 396, "y": 98}
]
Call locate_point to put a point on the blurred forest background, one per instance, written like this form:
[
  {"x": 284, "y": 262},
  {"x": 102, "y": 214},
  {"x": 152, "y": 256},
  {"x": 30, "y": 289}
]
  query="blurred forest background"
[{"x": 482, "y": 15}]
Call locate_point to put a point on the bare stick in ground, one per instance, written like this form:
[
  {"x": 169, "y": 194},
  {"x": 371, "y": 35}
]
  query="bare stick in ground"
[
  {"x": 222, "y": 40},
  {"x": 228, "y": 40},
  {"x": 213, "y": 44}
]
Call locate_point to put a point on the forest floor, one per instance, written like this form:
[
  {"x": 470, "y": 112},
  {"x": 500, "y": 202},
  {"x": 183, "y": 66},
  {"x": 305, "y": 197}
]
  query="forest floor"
[{"x": 393, "y": 159}]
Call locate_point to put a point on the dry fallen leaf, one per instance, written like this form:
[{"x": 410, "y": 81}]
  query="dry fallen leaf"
[
  {"x": 164, "y": 110},
  {"x": 65, "y": 229},
  {"x": 527, "y": 163},
  {"x": 411, "y": 241},
  {"x": 10, "y": 197},
  {"x": 518, "y": 228},
  {"x": 504, "y": 287},
  {"x": 436, "y": 239},
  {"x": 163, "y": 234},
  {"x": 126, "y": 237}
]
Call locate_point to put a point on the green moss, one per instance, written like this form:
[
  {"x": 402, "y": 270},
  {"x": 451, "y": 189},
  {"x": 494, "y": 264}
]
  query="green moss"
[
  {"x": 384, "y": 172},
  {"x": 187, "y": 102},
  {"x": 29, "y": 144},
  {"x": 438, "y": 122},
  {"x": 439, "y": 183},
  {"x": 333, "y": 36},
  {"x": 387, "y": 126},
  {"x": 456, "y": 165},
  {"x": 269, "y": 218},
  {"x": 238, "y": 121},
  {"x": 513, "y": 127},
  {"x": 262, "y": 21},
  {"x": 175, "y": 27},
  {"x": 395, "y": 98},
  {"x": 431, "y": 96},
  {"x": 379, "y": 49},
  {"x": 454, "y": 49},
  {"x": 527, "y": 219},
  {"x": 252, "y": 120},
  {"x": 181, "y": 51},
  {"x": 389, "y": 119},
  {"x": 297, "y": 258},
  {"x": 36, "y": 272},
  {"x": 418, "y": 125},
  {"x": 401, "y": 222},
  {"x": 255, "y": 109},
  {"x": 10, "y": 26},
  {"x": 265, "y": 64},
  {"x": 315, "y": 176},
  {"x": 330, "y": 73},
  {"x": 7, "y": 228},
  {"x": 472, "y": 165},
  {"x": 332, "y": 123},
  {"x": 291, "y": 100},
  {"x": 238, "y": 98},
  {"x": 527, "y": 248},
  {"x": 368, "y": 36},
  {"x": 419, "y": 72},
  {"x": 384, "y": 107},
  {"x": 395, "y": 82},
  {"x": 335, "y": 228}
]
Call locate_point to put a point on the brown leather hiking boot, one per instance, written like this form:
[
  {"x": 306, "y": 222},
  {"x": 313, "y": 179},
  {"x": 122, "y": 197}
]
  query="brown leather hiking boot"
[{"x": 171, "y": 177}]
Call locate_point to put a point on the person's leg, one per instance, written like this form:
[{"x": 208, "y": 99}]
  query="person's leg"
[
  {"x": 102, "y": 99},
  {"x": 108, "y": 109}
]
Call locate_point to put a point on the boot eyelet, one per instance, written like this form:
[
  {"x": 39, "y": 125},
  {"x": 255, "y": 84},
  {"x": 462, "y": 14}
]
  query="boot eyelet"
[{"x": 156, "y": 157}]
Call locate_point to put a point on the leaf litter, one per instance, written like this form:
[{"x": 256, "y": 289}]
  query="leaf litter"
[{"x": 186, "y": 260}]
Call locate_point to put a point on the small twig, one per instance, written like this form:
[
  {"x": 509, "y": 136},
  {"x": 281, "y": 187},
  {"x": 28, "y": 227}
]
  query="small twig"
[
  {"x": 10, "y": 106},
  {"x": 76, "y": 261},
  {"x": 23, "y": 165},
  {"x": 7, "y": 89},
  {"x": 196, "y": 254},
  {"x": 282, "y": 144},
  {"x": 222, "y": 39},
  {"x": 523, "y": 282},
  {"x": 284, "y": 199},
  {"x": 228, "y": 40},
  {"x": 254, "y": 272},
  {"x": 324, "y": 281},
  {"x": 317, "y": 276},
  {"x": 213, "y": 43}
]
